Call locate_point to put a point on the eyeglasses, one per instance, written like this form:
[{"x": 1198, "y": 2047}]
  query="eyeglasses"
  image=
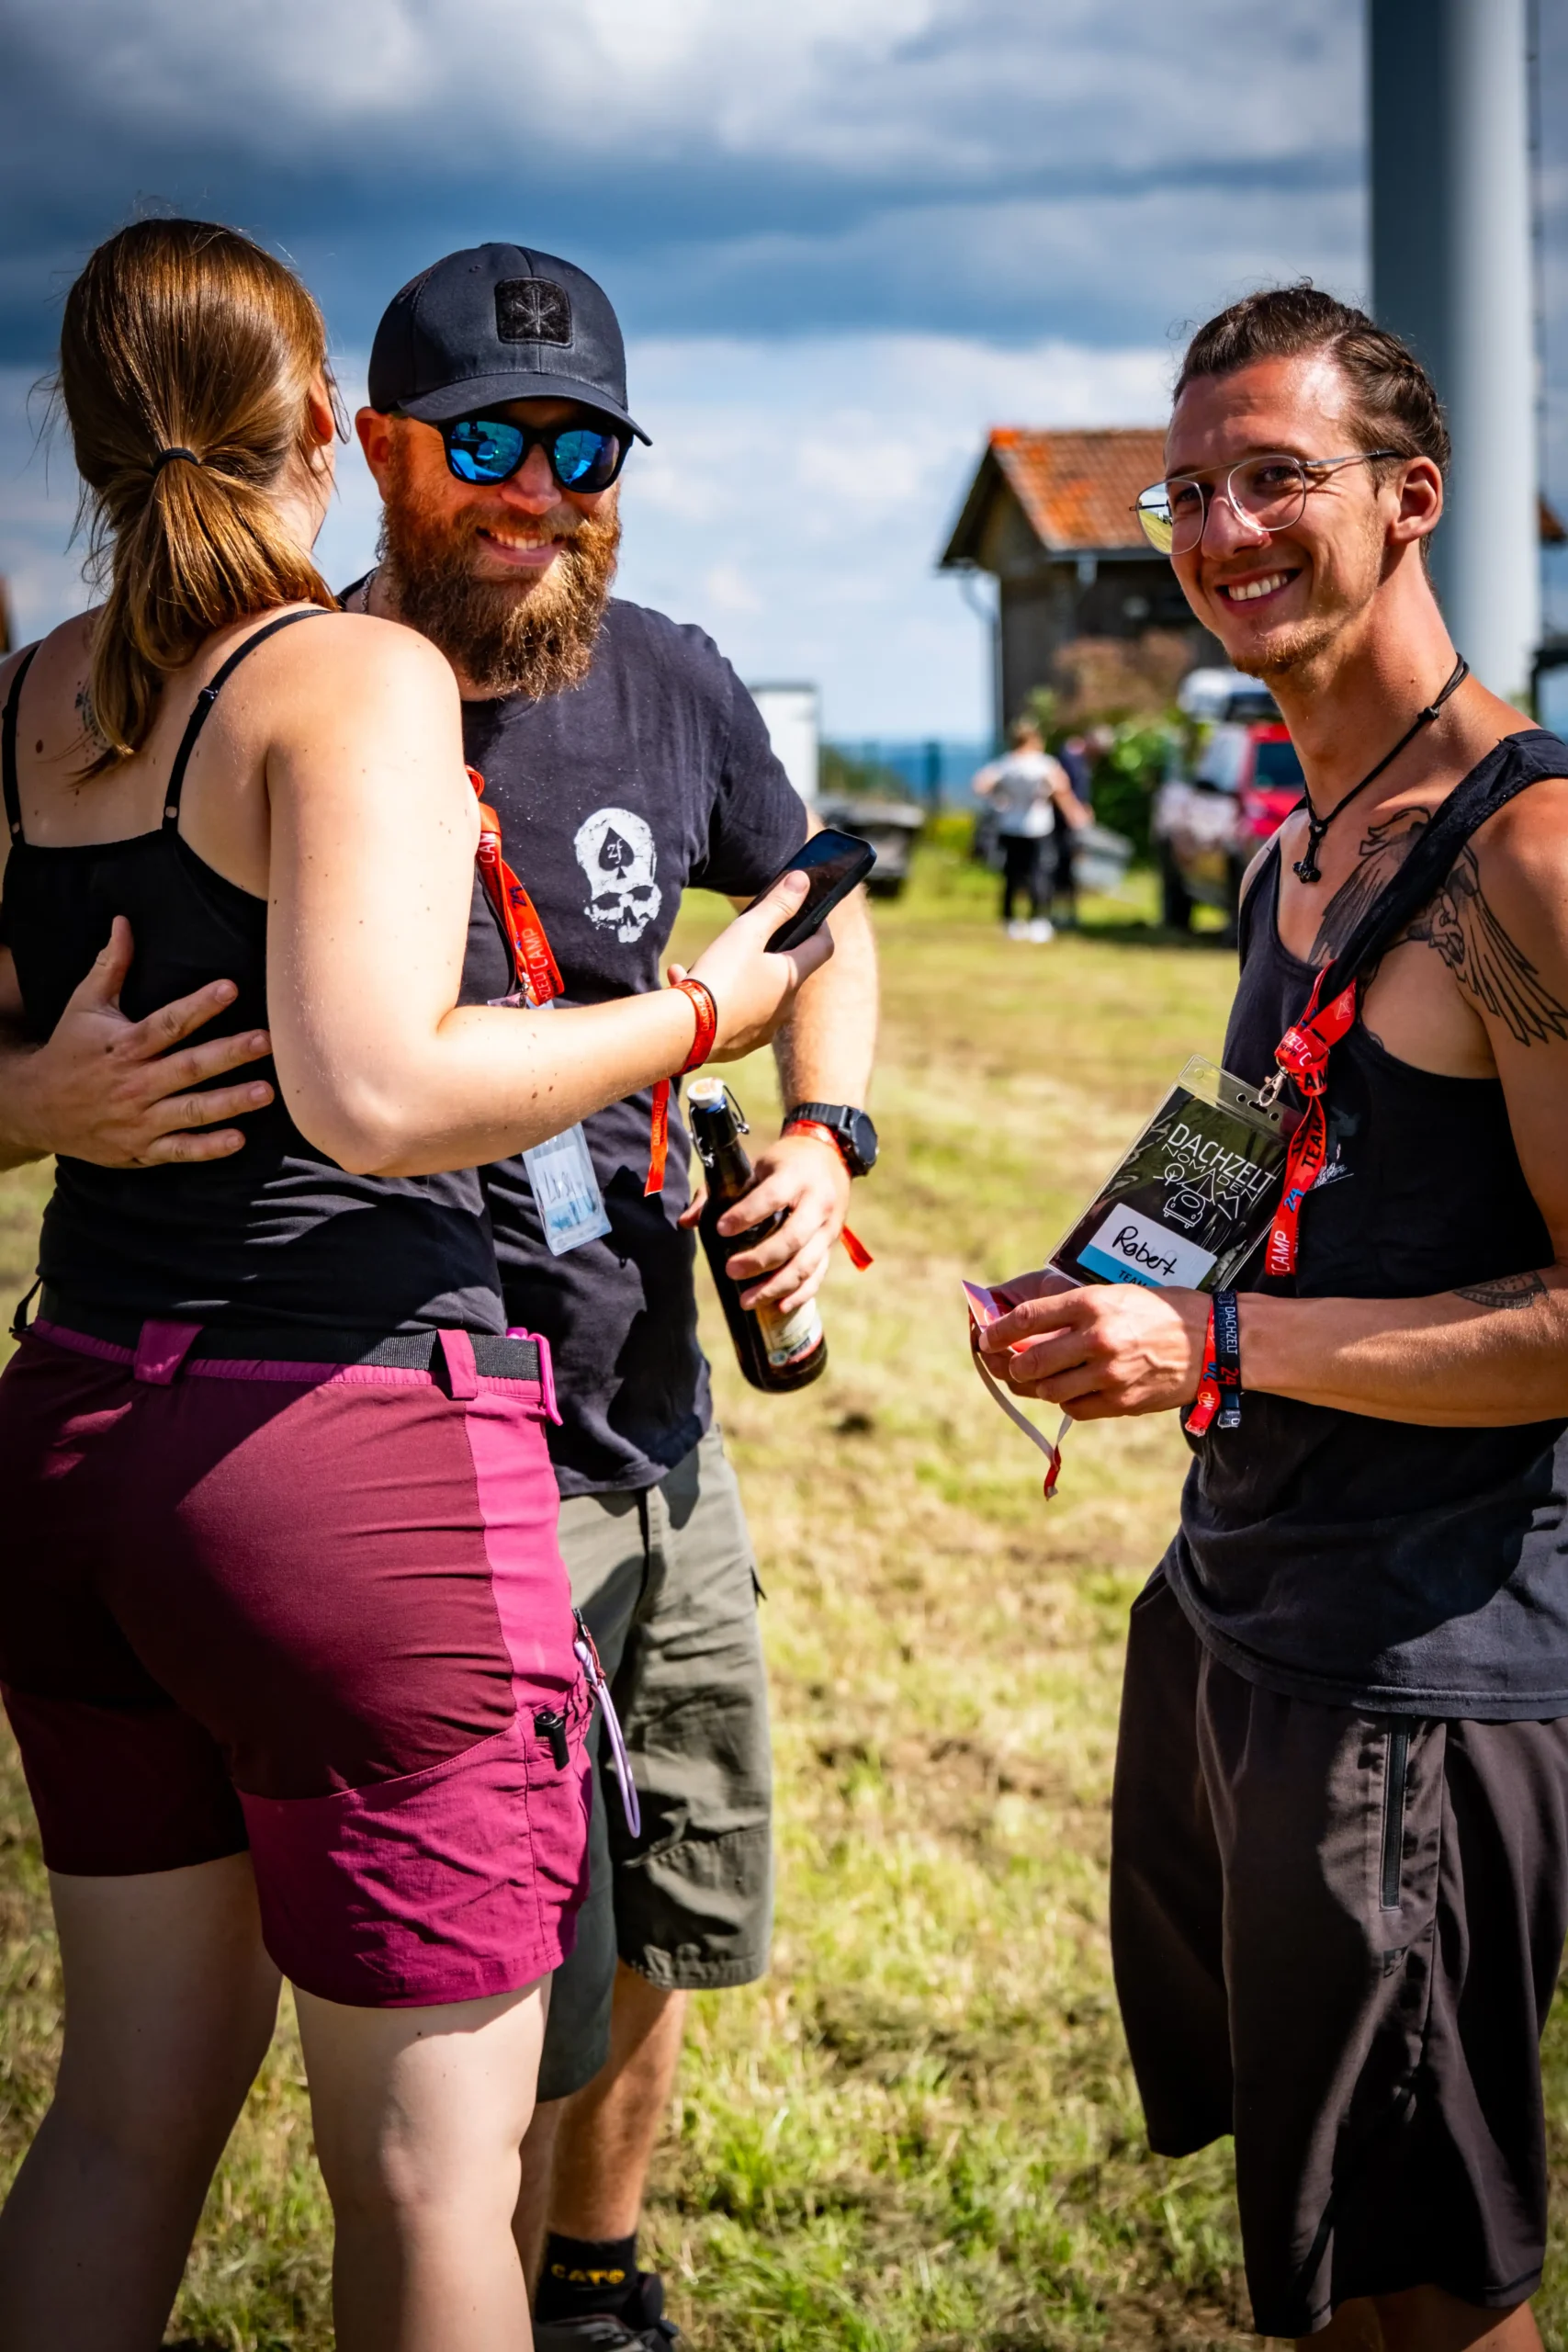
[
  {"x": 492, "y": 448},
  {"x": 1269, "y": 492}
]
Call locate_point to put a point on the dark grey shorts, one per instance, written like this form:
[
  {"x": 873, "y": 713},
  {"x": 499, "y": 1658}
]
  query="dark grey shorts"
[
  {"x": 1338, "y": 1935},
  {"x": 666, "y": 1580}
]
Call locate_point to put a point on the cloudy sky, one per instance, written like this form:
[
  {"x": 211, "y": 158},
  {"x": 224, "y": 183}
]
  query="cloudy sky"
[{"x": 844, "y": 236}]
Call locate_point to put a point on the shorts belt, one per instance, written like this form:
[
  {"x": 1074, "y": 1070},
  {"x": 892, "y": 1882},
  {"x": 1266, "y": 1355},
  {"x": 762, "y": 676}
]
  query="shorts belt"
[{"x": 496, "y": 1357}]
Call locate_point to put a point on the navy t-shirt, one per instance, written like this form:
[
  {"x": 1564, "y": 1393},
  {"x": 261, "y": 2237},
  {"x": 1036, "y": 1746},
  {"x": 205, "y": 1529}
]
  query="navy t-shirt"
[{"x": 655, "y": 772}]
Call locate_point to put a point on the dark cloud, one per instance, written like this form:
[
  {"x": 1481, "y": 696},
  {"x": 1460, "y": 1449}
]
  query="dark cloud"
[
  {"x": 1004, "y": 171},
  {"x": 996, "y": 168}
]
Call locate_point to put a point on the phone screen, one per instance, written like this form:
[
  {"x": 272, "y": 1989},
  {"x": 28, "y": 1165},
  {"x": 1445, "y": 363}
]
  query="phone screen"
[{"x": 833, "y": 863}]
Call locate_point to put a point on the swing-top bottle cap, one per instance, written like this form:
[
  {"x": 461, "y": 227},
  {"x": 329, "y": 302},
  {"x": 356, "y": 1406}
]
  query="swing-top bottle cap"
[{"x": 705, "y": 1094}]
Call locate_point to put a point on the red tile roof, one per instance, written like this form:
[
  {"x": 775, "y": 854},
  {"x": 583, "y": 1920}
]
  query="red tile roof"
[{"x": 1078, "y": 489}]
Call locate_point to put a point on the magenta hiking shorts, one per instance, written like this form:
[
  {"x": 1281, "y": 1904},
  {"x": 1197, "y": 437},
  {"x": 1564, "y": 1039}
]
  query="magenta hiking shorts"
[{"x": 316, "y": 1611}]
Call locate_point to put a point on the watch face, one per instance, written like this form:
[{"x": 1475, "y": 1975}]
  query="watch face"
[
  {"x": 861, "y": 1140},
  {"x": 856, "y": 1136}
]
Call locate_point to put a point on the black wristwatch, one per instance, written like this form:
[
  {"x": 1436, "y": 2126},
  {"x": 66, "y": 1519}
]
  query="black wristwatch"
[{"x": 850, "y": 1129}]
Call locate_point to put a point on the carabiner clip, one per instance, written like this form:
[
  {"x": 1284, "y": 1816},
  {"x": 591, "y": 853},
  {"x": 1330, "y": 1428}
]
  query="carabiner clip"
[{"x": 588, "y": 1658}]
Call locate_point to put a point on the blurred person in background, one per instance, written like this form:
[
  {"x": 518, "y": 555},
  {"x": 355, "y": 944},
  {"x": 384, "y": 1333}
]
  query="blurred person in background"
[
  {"x": 1079, "y": 760},
  {"x": 1027, "y": 789},
  {"x": 626, "y": 760},
  {"x": 1339, "y": 1876},
  {"x": 1077, "y": 764}
]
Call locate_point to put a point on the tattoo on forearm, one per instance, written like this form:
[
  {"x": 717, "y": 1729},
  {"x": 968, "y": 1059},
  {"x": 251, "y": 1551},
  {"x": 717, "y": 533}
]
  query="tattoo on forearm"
[
  {"x": 1484, "y": 958},
  {"x": 1507, "y": 1294}
]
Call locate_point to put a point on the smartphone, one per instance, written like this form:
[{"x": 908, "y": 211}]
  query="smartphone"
[{"x": 835, "y": 863}]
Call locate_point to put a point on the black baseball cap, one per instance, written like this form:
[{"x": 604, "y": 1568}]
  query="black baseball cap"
[{"x": 499, "y": 322}]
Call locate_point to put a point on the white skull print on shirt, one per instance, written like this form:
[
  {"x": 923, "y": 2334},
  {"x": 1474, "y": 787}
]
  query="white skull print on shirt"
[{"x": 615, "y": 848}]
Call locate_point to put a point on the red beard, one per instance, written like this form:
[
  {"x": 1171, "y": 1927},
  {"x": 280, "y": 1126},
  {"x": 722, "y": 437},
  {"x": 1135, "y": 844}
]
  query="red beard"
[{"x": 504, "y": 636}]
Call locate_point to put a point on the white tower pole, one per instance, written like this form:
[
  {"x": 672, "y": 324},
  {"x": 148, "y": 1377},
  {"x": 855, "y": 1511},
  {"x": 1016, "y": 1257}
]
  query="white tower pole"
[{"x": 1451, "y": 273}]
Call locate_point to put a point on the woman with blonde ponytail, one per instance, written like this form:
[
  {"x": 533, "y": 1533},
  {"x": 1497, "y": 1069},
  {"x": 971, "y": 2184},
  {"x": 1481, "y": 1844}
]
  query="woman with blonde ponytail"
[
  {"x": 178, "y": 464},
  {"x": 285, "y": 1638}
]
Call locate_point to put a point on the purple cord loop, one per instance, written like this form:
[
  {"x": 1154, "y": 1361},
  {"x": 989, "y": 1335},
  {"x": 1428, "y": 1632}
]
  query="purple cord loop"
[{"x": 588, "y": 1658}]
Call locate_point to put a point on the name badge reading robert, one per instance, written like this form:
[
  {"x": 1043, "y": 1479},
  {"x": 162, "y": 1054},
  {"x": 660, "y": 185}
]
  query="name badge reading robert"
[
  {"x": 1191, "y": 1200},
  {"x": 566, "y": 1191},
  {"x": 1133, "y": 1249}
]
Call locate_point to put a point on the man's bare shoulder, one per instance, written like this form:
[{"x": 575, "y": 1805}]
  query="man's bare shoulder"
[
  {"x": 1500, "y": 919},
  {"x": 1531, "y": 832},
  {"x": 1520, "y": 856}
]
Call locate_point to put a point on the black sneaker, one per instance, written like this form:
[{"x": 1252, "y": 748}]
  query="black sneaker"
[{"x": 640, "y": 2326}]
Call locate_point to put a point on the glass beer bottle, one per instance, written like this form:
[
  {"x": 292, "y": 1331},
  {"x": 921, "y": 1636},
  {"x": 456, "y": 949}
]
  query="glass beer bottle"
[{"x": 776, "y": 1351}]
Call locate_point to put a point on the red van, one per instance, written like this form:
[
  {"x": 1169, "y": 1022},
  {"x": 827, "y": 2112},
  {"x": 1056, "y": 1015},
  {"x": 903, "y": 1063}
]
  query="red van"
[{"x": 1209, "y": 827}]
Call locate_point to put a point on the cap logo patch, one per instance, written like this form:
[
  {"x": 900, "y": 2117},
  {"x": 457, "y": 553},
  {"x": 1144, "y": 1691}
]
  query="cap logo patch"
[{"x": 532, "y": 309}]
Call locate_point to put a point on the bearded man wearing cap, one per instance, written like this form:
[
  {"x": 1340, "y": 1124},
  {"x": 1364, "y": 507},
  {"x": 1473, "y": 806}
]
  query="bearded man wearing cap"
[{"x": 626, "y": 759}]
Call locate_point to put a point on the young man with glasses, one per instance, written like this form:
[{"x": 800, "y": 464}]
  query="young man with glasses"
[
  {"x": 1339, "y": 1880},
  {"x": 625, "y": 761}
]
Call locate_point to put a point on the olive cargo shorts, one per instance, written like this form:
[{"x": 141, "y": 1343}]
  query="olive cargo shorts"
[{"x": 666, "y": 1580}]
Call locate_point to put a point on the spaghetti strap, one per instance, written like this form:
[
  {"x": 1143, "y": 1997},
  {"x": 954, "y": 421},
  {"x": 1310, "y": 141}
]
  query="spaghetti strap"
[
  {"x": 1266, "y": 878},
  {"x": 208, "y": 696},
  {"x": 9, "y": 747}
]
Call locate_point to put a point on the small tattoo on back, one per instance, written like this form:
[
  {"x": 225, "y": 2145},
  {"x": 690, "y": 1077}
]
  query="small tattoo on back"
[{"x": 84, "y": 714}]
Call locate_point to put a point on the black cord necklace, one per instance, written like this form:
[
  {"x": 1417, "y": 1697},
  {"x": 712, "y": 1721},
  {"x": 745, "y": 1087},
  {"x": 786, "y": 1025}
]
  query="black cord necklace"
[{"x": 1306, "y": 869}]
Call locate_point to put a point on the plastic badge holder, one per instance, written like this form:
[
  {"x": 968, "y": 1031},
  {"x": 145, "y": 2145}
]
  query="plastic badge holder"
[
  {"x": 1192, "y": 1201},
  {"x": 1188, "y": 1205}
]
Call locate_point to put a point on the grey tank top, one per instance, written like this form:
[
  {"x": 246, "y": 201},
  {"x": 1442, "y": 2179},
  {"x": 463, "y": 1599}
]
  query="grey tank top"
[{"x": 1367, "y": 1563}]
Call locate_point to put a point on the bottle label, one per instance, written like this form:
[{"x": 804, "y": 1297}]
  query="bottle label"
[{"x": 788, "y": 1338}]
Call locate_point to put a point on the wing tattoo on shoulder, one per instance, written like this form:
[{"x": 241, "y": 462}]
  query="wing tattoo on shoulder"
[
  {"x": 1485, "y": 959},
  {"x": 1382, "y": 853}
]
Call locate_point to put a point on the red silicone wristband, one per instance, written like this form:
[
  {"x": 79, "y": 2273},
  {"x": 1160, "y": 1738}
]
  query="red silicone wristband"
[
  {"x": 706, "y": 1012},
  {"x": 815, "y": 1127}
]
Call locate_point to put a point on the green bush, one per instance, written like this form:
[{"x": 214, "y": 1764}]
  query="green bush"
[{"x": 1129, "y": 775}]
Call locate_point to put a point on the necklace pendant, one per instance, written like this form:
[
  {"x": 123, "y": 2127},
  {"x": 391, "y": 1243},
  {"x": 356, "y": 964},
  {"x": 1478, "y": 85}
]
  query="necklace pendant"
[{"x": 1307, "y": 869}]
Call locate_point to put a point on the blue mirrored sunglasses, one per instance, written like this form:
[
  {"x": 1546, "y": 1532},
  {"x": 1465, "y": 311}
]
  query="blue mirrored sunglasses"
[{"x": 492, "y": 448}]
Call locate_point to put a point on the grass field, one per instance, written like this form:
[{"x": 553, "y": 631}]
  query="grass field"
[{"x": 921, "y": 2134}]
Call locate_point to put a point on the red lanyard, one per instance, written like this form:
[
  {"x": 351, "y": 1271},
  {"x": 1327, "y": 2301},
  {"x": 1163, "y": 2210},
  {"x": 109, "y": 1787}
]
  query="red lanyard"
[
  {"x": 519, "y": 918},
  {"x": 1302, "y": 1054},
  {"x": 702, "y": 1045}
]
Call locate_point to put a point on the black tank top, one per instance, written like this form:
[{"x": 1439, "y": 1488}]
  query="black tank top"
[
  {"x": 1369, "y": 1562},
  {"x": 278, "y": 1234}
]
